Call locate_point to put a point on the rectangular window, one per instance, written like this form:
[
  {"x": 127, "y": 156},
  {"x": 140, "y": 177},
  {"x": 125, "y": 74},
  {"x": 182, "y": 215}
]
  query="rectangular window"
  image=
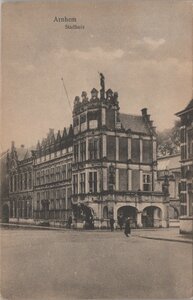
[
  {"x": 135, "y": 150},
  {"x": 42, "y": 180},
  {"x": 69, "y": 194},
  {"x": 147, "y": 151},
  {"x": 47, "y": 195},
  {"x": 64, "y": 172},
  {"x": 147, "y": 182},
  {"x": 58, "y": 174},
  {"x": 10, "y": 183},
  {"x": 37, "y": 179},
  {"x": 123, "y": 179},
  {"x": 183, "y": 135},
  {"x": 76, "y": 149},
  {"x": 110, "y": 119},
  {"x": 111, "y": 148},
  {"x": 69, "y": 170},
  {"x": 25, "y": 181},
  {"x": 75, "y": 184},
  {"x": 190, "y": 143},
  {"x": 38, "y": 201},
  {"x": 93, "y": 182},
  {"x": 58, "y": 194},
  {"x": 183, "y": 186},
  {"x": 183, "y": 152},
  {"x": 93, "y": 149},
  {"x": 63, "y": 198},
  {"x": 135, "y": 180},
  {"x": 30, "y": 180},
  {"x": 52, "y": 174},
  {"x": 47, "y": 177},
  {"x": 15, "y": 182},
  {"x": 82, "y": 183},
  {"x": 123, "y": 149},
  {"x": 83, "y": 151}
]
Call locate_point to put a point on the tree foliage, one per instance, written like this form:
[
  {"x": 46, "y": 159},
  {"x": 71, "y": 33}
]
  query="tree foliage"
[{"x": 169, "y": 140}]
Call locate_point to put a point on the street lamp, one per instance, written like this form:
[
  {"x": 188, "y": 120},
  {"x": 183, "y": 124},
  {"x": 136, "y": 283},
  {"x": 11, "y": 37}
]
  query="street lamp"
[
  {"x": 165, "y": 185},
  {"x": 137, "y": 200}
]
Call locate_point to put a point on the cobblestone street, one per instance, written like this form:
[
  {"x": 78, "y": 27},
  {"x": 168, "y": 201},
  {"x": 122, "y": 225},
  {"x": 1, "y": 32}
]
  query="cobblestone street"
[{"x": 43, "y": 264}]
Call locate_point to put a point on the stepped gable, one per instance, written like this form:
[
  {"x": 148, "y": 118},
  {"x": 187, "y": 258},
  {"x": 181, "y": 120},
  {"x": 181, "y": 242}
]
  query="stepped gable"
[{"x": 55, "y": 141}]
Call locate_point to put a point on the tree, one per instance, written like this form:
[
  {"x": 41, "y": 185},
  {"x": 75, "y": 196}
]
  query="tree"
[{"x": 169, "y": 140}]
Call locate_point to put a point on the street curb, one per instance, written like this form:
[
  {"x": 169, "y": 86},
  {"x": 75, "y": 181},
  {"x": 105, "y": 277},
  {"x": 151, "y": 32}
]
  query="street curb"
[
  {"x": 95, "y": 230},
  {"x": 32, "y": 226},
  {"x": 164, "y": 239}
]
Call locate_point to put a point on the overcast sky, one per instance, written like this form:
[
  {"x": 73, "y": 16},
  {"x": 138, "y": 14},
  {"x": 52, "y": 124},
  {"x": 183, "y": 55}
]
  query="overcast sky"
[{"x": 144, "y": 49}]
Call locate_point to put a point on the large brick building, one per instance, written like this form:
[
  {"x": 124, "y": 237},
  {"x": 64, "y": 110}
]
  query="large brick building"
[
  {"x": 104, "y": 166},
  {"x": 186, "y": 194}
]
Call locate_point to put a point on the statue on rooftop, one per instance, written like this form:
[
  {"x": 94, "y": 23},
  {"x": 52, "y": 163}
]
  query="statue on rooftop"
[{"x": 102, "y": 83}]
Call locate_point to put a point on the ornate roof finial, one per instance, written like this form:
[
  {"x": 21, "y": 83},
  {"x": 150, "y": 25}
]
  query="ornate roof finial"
[{"x": 102, "y": 83}]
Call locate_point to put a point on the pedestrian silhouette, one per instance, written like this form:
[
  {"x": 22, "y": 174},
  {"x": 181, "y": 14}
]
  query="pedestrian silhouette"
[
  {"x": 112, "y": 221},
  {"x": 127, "y": 227}
]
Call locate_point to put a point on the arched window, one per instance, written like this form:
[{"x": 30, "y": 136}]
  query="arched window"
[{"x": 105, "y": 212}]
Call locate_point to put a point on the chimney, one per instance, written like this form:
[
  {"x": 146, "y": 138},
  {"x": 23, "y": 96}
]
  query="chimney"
[
  {"x": 51, "y": 131},
  {"x": 12, "y": 144},
  {"x": 148, "y": 117},
  {"x": 151, "y": 123},
  {"x": 144, "y": 111}
]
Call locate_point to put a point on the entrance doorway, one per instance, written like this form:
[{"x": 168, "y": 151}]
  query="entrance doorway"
[
  {"x": 128, "y": 211},
  {"x": 152, "y": 216}
]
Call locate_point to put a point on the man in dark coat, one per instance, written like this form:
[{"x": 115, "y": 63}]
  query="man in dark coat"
[
  {"x": 112, "y": 221},
  {"x": 69, "y": 222},
  {"x": 127, "y": 227}
]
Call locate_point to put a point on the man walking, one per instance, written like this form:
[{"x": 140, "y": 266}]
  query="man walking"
[
  {"x": 127, "y": 227},
  {"x": 112, "y": 221}
]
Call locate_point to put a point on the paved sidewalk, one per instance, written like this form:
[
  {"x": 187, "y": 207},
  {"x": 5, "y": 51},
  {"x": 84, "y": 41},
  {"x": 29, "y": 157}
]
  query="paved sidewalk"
[{"x": 166, "y": 234}]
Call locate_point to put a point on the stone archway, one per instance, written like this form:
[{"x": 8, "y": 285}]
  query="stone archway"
[
  {"x": 5, "y": 213},
  {"x": 128, "y": 211},
  {"x": 152, "y": 216},
  {"x": 173, "y": 212}
]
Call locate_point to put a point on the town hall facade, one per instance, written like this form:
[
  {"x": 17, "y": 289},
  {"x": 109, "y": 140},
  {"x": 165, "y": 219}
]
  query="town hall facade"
[{"x": 103, "y": 166}]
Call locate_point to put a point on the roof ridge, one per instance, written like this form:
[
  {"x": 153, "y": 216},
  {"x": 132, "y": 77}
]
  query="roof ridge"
[{"x": 134, "y": 115}]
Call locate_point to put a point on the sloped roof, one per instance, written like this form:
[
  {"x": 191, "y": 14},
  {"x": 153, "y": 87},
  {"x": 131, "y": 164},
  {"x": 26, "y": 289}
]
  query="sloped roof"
[
  {"x": 134, "y": 122},
  {"x": 190, "y": 105},
  {"x": 169, "y": 162}
]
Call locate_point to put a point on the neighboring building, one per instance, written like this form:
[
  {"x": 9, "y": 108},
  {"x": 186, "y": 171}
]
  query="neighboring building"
[
  {"x": 114, "y": 168},
  {"x": 20, "y": 167},
  {"x": 104, "y": 166},
  {"x": 4, "y": 188},
  {"x": 186, "y": 194},
  {"x": 170, "y": 166},
  {"x": 52, "y": 178}
]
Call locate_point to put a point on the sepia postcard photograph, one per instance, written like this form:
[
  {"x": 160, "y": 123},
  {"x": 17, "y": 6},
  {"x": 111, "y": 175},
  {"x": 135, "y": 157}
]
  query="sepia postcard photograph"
[{"x": 96, "y": 149}]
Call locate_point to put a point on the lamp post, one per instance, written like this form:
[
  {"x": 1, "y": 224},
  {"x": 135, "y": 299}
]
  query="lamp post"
[
  {"x": 165, "y": 190},
  {"x": 165, "y": 185},
  {"x": 137, "y": 200}
]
